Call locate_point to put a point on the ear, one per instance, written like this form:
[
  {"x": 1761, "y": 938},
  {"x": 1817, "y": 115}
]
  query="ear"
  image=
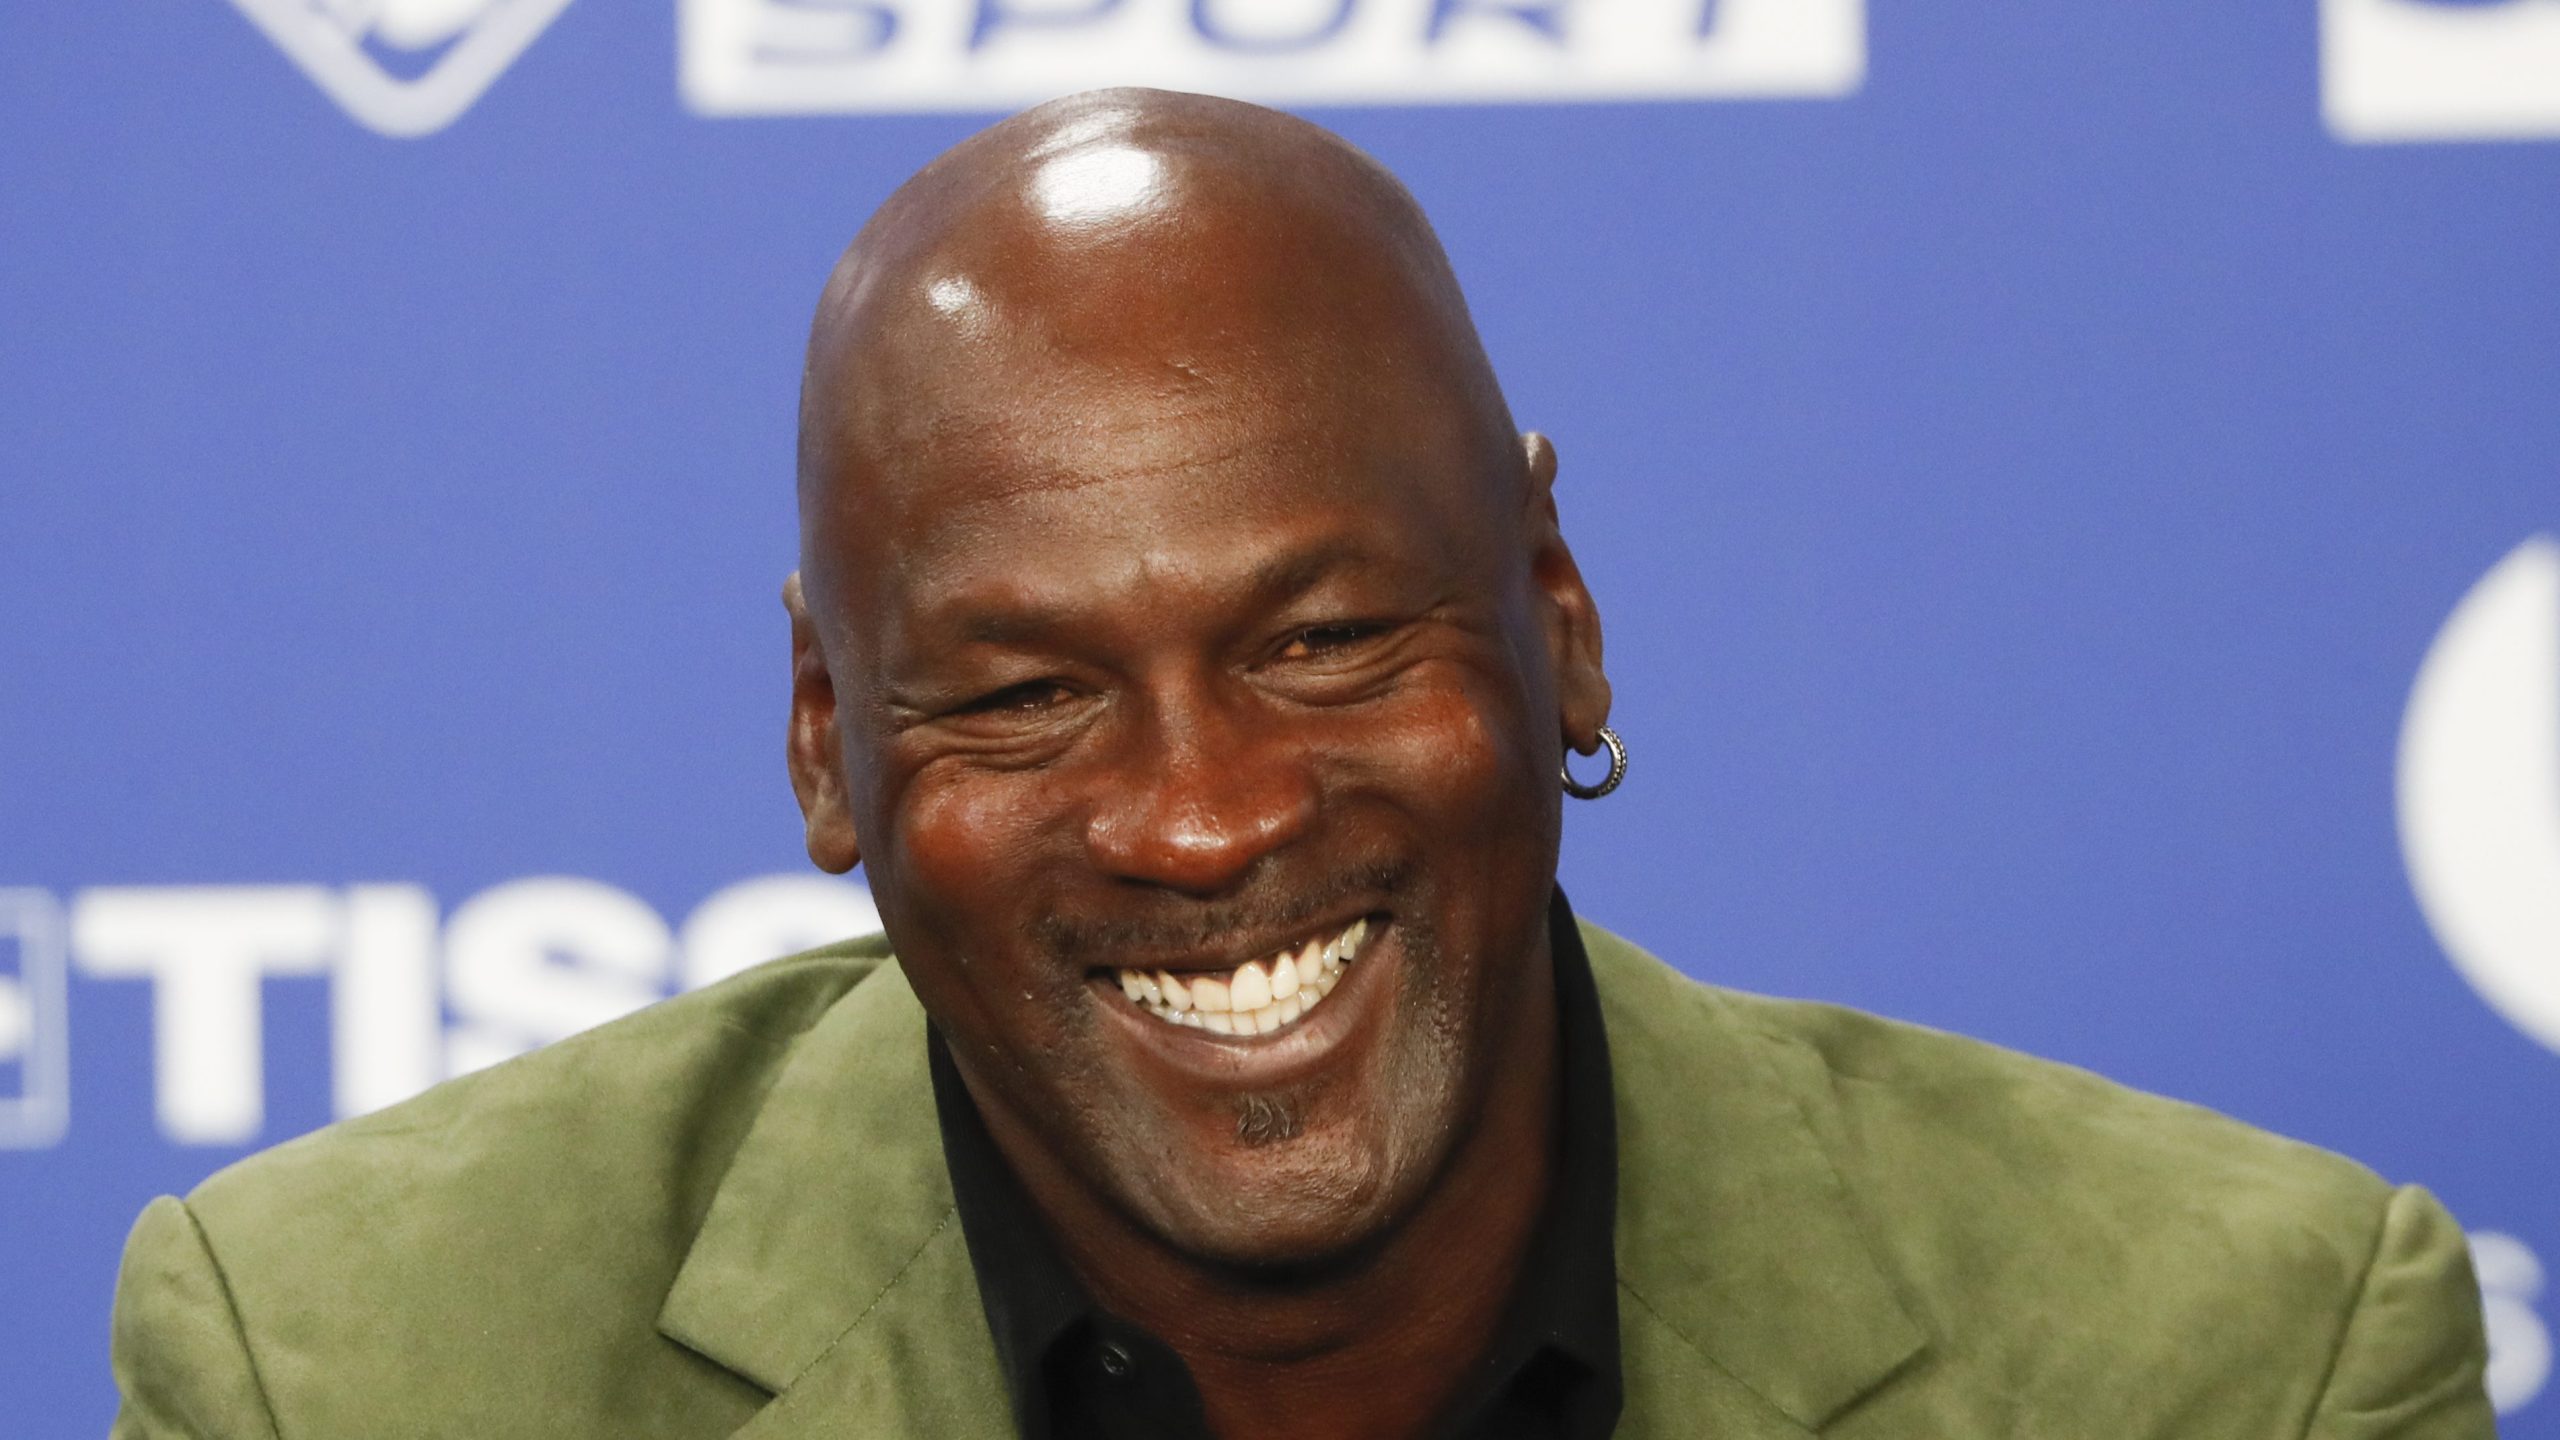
[
  {"x": 1572, "y": 618},
  {"x": 812, "y": 747}
]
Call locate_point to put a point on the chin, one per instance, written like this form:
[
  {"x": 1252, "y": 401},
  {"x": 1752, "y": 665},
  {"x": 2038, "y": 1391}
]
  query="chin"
[{"x": 1306, "y": 1201}]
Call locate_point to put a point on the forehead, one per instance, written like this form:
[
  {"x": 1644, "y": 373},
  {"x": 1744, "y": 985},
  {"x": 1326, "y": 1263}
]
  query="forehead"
[
  {"x": 1008, "y": 371},
  {"x": 1201, "y": 486}
]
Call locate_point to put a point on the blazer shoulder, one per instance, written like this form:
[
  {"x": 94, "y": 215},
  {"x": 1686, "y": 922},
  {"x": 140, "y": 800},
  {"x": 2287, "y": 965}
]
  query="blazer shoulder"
[
  {"x": 505, "y": 1239},
  {"x": 1885, "y": 1092},
  {"x": 2175, "y": 1256},
  {"x": 2063, "y": 1237},
  {"x": 683, "y": 1065},
  {"x": 1898, "y": 1086}
]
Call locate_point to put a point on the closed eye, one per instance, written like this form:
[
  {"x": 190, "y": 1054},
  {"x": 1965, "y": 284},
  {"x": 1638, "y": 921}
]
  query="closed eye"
[
  {"x": 1317, "y": 640},
  {"x": 1029, "y": 695}
]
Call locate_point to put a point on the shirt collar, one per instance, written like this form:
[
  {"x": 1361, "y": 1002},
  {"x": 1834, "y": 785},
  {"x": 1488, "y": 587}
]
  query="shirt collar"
[
  {"x": 1566, "y": 1300},
  {"x": 1031, "y": 1298}
]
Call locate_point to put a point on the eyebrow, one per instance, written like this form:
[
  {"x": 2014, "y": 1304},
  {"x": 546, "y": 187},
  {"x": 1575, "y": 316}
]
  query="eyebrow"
[
  {"x": 1280, "y": 578},
  {"x": 1285, "y": 577}
]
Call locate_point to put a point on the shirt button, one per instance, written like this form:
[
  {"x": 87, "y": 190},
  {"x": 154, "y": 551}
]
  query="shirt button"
[{"x": 1117, "y": 1362}]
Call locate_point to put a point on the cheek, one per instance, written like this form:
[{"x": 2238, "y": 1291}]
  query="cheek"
[
  {"x": 1452, "y": 753},
  {"x": 955, "y": 837},
  {"x": 963, "y": 890}
]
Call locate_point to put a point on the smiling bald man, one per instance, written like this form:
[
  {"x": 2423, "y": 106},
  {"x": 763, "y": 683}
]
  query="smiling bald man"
[{"x": 1186, "y": 647}]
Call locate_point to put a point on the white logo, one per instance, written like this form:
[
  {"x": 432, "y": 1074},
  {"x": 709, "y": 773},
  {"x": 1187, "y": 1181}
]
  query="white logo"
[
  {"x": 2441, "y": 69},
  {"x": 2519, "y": 1343},
  {"x": 2480, "y": 788},
  {"x": 403, "y": 67},
  {"x": 414, "y": 997},
  {"x": 749, "y": 57},
  {"x": 35, "y": 1036}
]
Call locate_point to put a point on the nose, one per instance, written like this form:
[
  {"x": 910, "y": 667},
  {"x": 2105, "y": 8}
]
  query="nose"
[{"x": 1196, "y": 794}]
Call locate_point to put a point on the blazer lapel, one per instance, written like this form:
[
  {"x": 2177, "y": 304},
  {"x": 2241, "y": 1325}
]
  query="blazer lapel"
[
  {"x": 830, "y": 1269},
  {"x": 1752, "y": 1303}
]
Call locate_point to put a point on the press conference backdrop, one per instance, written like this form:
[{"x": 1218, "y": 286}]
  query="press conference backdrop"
[{"x": 2074, "y": 492}]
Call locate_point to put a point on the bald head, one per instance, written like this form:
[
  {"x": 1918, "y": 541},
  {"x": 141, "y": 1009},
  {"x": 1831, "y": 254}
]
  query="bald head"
[
  {"x": 1174, "y": 586},
  {"x": 1171, "y": 251}
]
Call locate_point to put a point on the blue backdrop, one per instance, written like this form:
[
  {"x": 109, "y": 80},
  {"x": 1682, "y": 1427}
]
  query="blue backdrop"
[{"x": 2027, "y": 456}]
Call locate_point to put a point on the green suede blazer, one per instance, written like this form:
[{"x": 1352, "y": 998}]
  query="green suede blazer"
[{"x": 727, "y": 1216}]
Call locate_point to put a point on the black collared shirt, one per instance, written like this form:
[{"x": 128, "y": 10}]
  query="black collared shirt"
[{"x": 1077, "y": 1372}]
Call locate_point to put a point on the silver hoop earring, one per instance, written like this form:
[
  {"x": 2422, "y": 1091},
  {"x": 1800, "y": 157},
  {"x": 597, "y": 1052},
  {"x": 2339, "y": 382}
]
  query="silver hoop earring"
[{"x": 1617, "y": 769}]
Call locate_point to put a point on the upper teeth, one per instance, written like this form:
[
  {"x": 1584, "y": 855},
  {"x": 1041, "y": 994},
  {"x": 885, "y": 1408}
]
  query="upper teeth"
[{"x": 1259, "y": 996}]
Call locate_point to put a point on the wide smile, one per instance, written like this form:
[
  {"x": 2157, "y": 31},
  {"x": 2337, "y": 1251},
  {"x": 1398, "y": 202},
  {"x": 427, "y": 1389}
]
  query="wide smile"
[{"x": 1259, "y": 997}]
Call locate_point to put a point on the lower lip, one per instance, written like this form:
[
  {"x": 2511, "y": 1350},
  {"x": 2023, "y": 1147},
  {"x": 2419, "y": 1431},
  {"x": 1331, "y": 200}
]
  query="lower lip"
[{"x": 1260, "y": 1061}]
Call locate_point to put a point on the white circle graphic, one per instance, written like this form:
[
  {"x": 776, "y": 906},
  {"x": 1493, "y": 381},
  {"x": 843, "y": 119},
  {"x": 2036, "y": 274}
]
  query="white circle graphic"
[{"x": 2480, "y": 788}]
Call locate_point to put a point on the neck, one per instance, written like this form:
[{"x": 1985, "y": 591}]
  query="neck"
[{"x": 1374, "y": 1348}]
